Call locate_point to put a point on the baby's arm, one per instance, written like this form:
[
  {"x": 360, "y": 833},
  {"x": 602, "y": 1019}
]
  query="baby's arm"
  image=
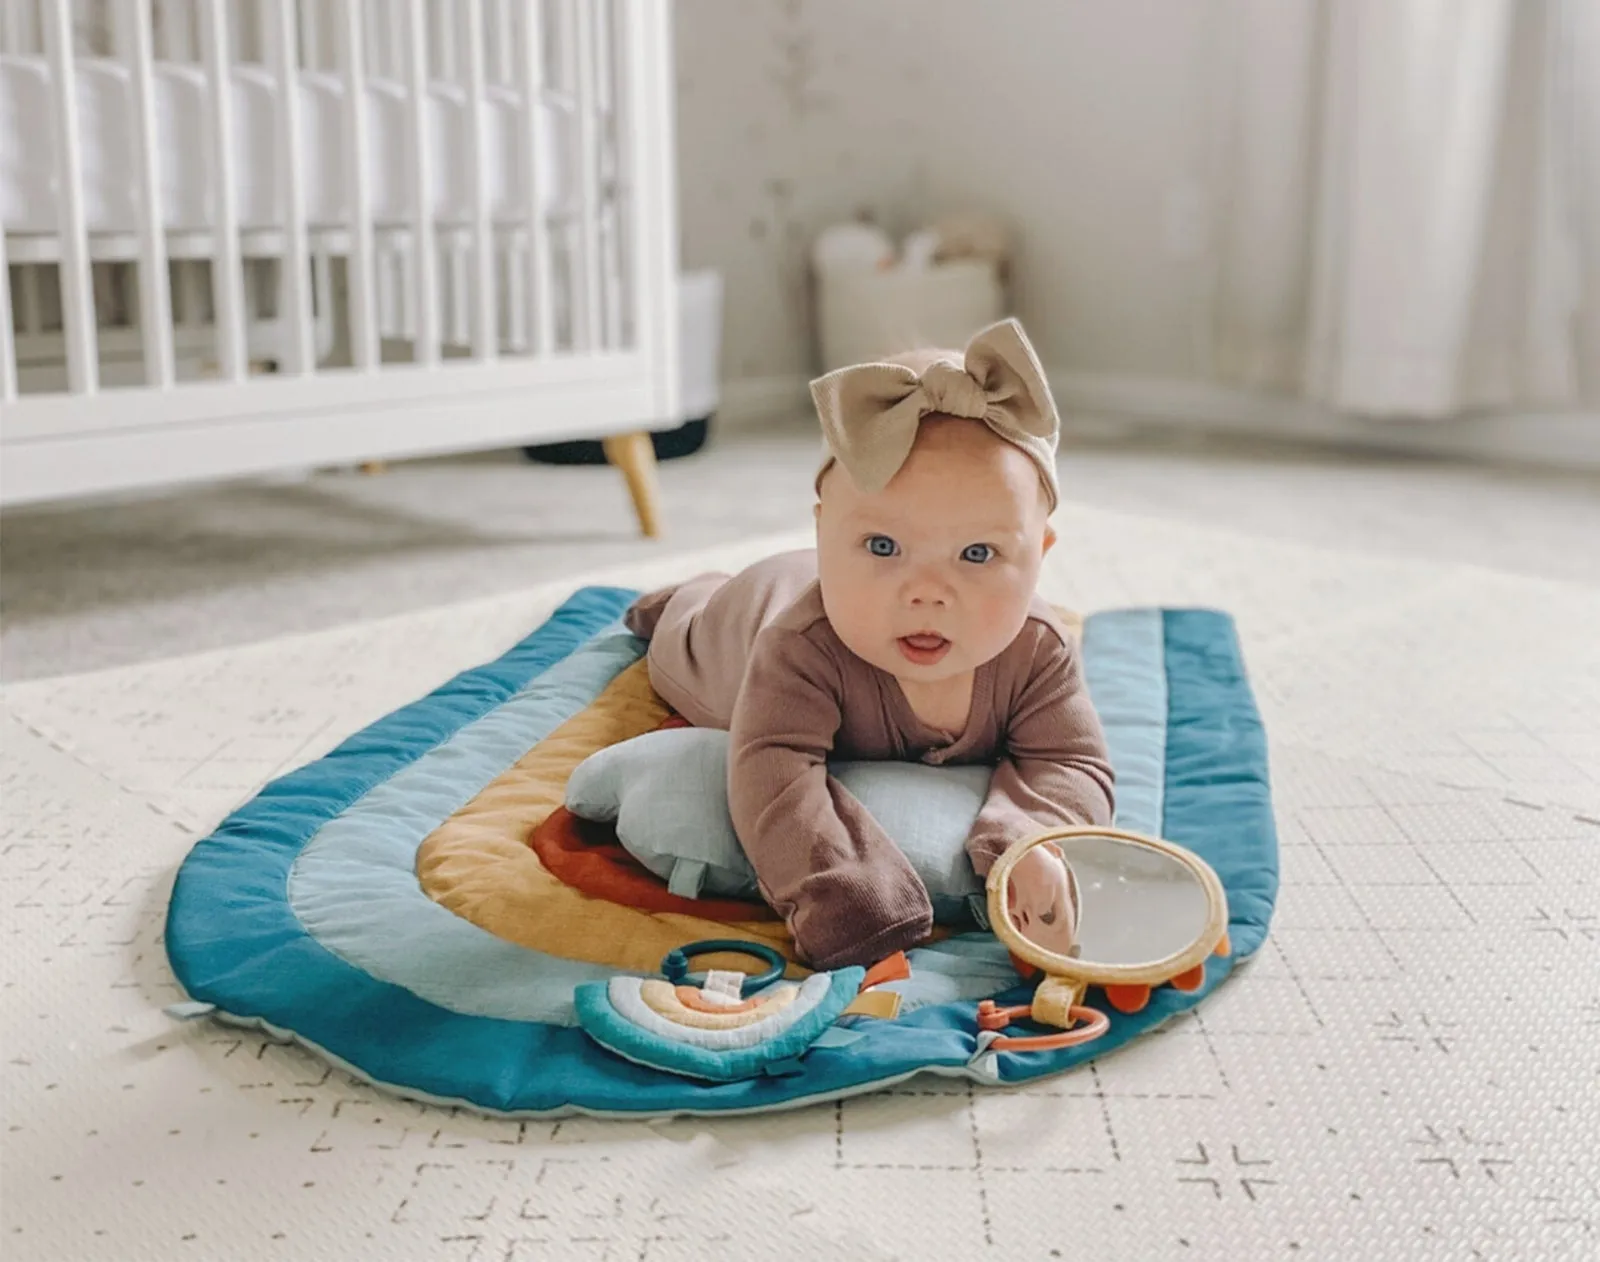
[
  {"x": 844, "y": 888},
  {"x": 1055, "y": 771}
]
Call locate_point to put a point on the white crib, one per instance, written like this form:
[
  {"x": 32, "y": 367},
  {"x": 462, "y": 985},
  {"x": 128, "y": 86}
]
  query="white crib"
[{"x": 249, "y": 235}]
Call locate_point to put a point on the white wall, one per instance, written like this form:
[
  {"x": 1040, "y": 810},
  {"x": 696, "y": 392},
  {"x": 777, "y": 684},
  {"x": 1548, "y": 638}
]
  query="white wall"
[{"x": 1079, "y": 121}]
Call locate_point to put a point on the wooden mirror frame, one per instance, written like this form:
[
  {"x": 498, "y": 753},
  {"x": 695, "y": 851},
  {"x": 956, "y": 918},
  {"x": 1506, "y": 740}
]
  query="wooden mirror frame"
[{"x": 1090, "y": 972}]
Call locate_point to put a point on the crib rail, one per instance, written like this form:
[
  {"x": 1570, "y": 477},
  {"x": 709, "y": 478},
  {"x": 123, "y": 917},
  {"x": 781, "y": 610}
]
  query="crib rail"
[{"x": 247, "y": 234}]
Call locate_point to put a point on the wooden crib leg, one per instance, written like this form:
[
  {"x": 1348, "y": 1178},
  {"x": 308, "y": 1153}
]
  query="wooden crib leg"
[{"x": 635, "y": 455}]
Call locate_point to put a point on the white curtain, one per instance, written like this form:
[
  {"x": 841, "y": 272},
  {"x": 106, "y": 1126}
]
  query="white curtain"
[{"x": 1408, "y": 221}]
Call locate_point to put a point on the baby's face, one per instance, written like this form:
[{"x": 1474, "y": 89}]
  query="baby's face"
[{"x": 933, "y": 576}]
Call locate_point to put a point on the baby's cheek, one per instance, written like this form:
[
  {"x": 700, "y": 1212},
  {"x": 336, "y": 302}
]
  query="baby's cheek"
[
  {"x": 999, "y": 615},
  {"x": 863, "y": 601},
  {"x": 860, "y": 615}
]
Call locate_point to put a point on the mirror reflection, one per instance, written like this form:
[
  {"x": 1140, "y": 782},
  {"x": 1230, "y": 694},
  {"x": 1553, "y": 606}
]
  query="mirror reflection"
[{"x": 1108, "y": 900}]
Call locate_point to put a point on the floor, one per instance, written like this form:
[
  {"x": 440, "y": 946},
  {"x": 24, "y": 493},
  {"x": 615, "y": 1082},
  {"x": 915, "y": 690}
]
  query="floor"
[
  {"x": 1406, "y": 1068},
  {"x": 86, "y": 587}
]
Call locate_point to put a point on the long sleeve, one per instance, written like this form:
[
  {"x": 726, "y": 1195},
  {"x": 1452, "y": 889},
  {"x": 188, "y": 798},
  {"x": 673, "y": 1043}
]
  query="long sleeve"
[
  {"x": 846, "y": 891},
  {"x": 1054, "y": 770}
]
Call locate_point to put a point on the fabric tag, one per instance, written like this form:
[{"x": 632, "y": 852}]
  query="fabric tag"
[
  {"x": 892, "y": 968},
  {"x": 884, "y": 1004},
  {"x": 837, "y": 1036},
  {"x": 688, "y": 875},
  {"x": 724, "y": 987}
]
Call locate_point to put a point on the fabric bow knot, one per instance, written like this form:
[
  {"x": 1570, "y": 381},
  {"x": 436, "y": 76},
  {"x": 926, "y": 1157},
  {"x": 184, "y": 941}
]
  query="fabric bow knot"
[
  {"x": 870, "y": 412},
  {"x": 950, "y": 390}
]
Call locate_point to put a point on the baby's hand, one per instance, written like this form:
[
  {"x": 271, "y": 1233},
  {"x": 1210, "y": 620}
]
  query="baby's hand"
[{"x": 1043, "y": 900}]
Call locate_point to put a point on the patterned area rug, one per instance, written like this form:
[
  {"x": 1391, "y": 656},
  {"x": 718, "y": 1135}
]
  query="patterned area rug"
[{"x": 1406, "y": 1069}]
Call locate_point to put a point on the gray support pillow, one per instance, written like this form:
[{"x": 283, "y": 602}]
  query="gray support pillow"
[{"x": 666, "y": 793}]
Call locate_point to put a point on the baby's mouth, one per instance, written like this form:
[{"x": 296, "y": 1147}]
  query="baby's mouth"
[{"x": 923, "y": 649}]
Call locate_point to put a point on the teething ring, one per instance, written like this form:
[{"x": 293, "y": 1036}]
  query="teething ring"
[
  {"x": 990, "y": 1017},
  {"x": 675, "y": 964}
]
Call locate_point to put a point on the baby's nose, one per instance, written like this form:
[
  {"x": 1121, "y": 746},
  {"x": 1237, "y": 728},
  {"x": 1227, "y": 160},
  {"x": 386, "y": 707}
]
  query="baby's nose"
[{"x": 926, "y": 589}]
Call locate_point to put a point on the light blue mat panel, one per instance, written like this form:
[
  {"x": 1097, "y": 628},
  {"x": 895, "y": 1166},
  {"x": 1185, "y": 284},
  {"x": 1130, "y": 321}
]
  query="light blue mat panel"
[{"x": 300, "y": 914}]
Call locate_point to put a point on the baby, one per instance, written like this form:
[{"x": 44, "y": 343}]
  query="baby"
[{"x": 913, "y": 631}]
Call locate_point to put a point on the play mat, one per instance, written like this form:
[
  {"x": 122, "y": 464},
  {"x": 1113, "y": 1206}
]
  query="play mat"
[{"x": 419, "y": 906}]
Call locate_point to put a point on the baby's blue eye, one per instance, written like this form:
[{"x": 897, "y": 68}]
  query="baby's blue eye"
[
  {"x": 882, "y": 546},
  {"x": 977, "y": 553}
]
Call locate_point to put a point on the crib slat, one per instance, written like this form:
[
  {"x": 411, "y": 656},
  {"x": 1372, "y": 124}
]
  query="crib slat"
[
  {"x": 587, "y": 325},
  {"x": 227, "y": 271},
  {"x": 294, "y": 303},
  {"x": 611, "y": 206},
  {"x": 652, "y": 184},
  {"x": 77, "y": 295},
  {"x": 536, "y": 259},
  {"x": 8, "y": 342},
  {"x": 485, "y": 333},
  {"x": 424, "y": 254},
  {"x": 363, "y": 314},
  {"x": 626, "y": 174},
  {"x": 155, "y": 299}
]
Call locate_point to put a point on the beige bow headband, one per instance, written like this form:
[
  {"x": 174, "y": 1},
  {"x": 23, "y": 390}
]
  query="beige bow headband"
[{"x": 870, "y": 412}]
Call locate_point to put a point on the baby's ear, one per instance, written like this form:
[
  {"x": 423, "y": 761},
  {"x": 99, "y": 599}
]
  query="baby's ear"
[{"x": 1049, "y": 536}]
